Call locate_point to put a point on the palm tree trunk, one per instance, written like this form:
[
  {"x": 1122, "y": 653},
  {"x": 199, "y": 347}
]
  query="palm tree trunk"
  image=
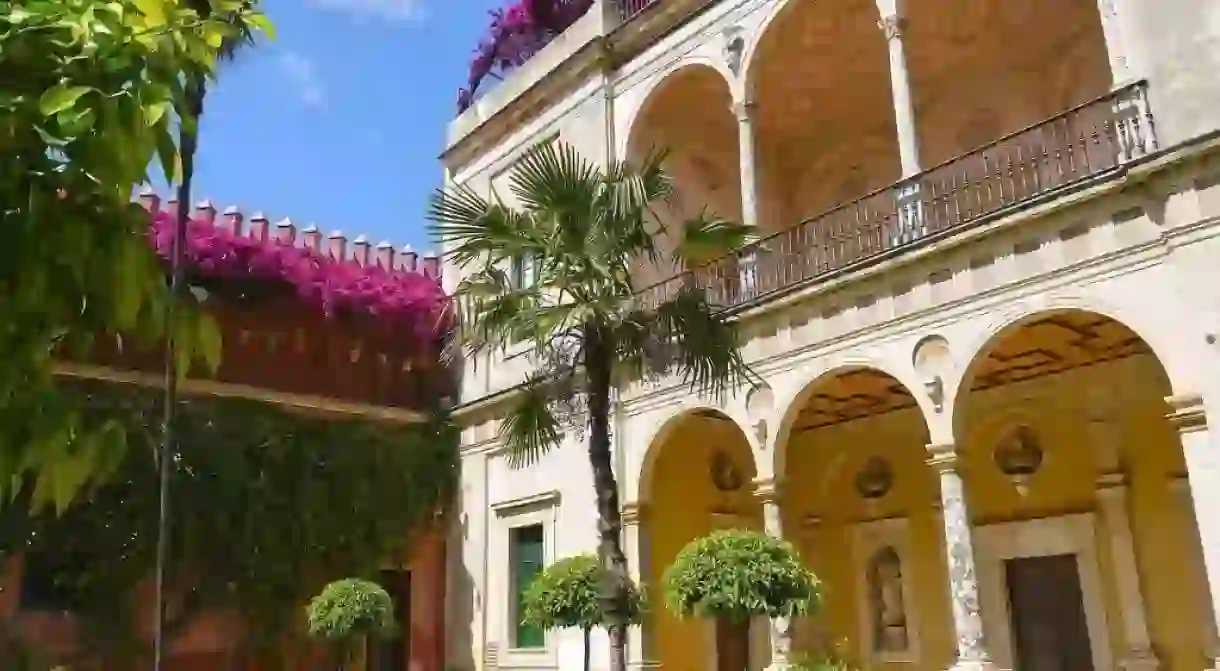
[
  {"x": 599, "y": 361},
  {"x": 585, "y": 632}
]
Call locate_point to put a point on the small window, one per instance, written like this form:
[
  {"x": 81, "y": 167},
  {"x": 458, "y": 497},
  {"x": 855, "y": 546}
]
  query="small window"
[
  {"x": 525, "y": 272},
  {"x": 526, "y": 556}
]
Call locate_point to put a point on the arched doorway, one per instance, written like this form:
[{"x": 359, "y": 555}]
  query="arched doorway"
[
  {"x": 823, "y": 119},
  {"x": 1077, "y": 494},
  {"x": 699, "y": 478},
  {"x": 689, "y": 115},
  {"x": 861, "y": 505}
]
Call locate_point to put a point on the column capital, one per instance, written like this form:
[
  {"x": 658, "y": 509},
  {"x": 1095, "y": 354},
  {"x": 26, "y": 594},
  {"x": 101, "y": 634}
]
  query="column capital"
[
  {"x": 942, "y": 457},
  {"x": 1112, "y": 484},
  {"x": 768, "y": 490},
  {"x": 744, "y": 110},
  {"x": 632, "y": 513},
  {"x": 892, "y": 25},
  {"x": 1186, "y": 413}
]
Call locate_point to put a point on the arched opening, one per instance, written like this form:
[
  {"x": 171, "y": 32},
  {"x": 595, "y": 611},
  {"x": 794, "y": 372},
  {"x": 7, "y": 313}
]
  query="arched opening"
[
  {"x": 824, "y": 119},
  {"x": 698, "y": 480},
  {"x": 690, "y": 116},
  {"x": 861, "y": 504},
  {"x": 1076, "y": 487},
  {"x": 984, "y": 69}
]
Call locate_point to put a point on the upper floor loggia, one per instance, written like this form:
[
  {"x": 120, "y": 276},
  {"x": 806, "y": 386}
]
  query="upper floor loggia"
[{"x": 849, "y": 131}]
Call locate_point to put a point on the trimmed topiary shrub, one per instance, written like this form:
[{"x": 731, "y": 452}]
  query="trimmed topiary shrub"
[
  {"x": 739, "y": 575},
  {"x": 568, "y": 594},
  {"x": 349, "y": 610}
]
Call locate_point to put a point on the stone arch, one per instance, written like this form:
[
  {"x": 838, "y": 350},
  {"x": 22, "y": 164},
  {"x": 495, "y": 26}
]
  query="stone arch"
[
  {"x": 668, "y": 428},
  {"x": 697, "y": 476},
  {"x": 688, "y": 113},
  {"x": 794, "y": 404},
  {"x": 655, "y": 87},
  {"x": 1060, "y": 414},
  {"x": 817, "y": 74},
  {"x": 1168, "y": 355}
]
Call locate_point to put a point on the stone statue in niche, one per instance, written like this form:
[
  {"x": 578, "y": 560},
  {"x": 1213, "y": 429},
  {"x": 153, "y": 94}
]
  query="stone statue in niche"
[{"x": 886, "y": 603}]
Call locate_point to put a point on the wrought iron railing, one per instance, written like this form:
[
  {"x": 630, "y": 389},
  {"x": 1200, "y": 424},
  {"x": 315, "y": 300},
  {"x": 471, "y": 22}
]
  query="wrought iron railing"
[
  {"x": 629, "y": 9},
  {"x": 1081, "y": 143}
]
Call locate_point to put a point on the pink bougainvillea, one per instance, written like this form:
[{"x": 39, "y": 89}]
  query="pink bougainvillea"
[
  {"x": 515, "y": 35},
  {"x": 406, "y": 302}
]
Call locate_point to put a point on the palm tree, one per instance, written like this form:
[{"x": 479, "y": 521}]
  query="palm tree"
[
  {"x": 580, "y": 229},
  {"x": 195, "y": 92}
]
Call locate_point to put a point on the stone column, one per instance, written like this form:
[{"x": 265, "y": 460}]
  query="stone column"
[
  {"x": 972, "y": 652},
  {"x": 639, "y": 554},
  {"x": 744, "y": 111},
  {"x": 769, "y": 493},
  {"x": 748, "y": 269},
  {"x": 1202, "y": 453},
  {"x": 1112, "y": 501},
  {"x": 891, "y": 24}
]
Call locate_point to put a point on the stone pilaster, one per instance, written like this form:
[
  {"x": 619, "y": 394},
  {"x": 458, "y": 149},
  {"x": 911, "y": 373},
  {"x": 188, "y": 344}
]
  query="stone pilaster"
[
  {"x": 1112, "y": 499},
  {"x": 891, "y": 24},
  {"x": 639, "y": 553},
  {"x": 769, "y": 493},
  {"x": 1202, "y": 453},
  {"x": 972, "y": 654}
]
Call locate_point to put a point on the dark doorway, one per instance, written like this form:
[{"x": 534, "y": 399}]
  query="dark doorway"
[
  {"x": 394, "y": 653},
  {"x": 732, "y": 645},
  {"x": 1050, "y": 632}
]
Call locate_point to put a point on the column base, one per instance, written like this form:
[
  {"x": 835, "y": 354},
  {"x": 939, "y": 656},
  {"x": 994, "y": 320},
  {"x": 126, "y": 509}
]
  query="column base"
[
  {"x": 974, "y": 665},
  {"x": 1139, "y": 660}
]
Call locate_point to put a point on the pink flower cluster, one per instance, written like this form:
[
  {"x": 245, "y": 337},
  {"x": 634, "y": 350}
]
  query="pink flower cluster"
[
  {"x": 400, "y": 301},
  {"x": 515, "y": 35}
]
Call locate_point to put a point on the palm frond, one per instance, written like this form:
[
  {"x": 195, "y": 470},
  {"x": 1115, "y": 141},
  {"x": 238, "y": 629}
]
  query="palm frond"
[
  {"x": 531, "y": 429},
  {"x": 478, "y": 230},
  {"x": 708, "y": 237},
  {"x": 494, "y": 313},
  {"x": 558, "y": 187},
  {"x": 702, "y": 344}
]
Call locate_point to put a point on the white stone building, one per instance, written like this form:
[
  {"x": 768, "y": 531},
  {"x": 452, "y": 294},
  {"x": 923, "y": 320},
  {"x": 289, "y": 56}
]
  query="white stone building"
[{"x": 986, "y": 316}]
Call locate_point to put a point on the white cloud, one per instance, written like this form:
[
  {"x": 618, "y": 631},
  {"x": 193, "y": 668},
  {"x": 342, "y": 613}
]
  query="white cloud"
[
  {"x": 303, "y": 74},
  {"x": 390, "y": 10}
]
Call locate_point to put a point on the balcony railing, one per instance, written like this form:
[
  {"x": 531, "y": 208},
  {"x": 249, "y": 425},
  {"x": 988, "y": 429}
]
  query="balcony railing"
[
  {"x": 629, "y": 9},
  {"x": 1084, "y": 142}
]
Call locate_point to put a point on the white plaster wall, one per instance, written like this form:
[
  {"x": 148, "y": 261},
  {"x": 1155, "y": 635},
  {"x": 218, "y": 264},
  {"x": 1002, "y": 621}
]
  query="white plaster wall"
[{"x": 555, "y": 492}]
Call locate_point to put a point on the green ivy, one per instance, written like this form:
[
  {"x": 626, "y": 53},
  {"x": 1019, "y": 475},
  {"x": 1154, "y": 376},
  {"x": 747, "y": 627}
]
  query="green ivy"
[
  {"x": 267, "y": 506},
  {"x": 739, "y": 575}
]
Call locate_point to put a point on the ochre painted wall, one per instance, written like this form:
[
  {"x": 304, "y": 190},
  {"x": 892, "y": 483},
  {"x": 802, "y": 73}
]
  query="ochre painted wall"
[
  {"x": 821, "y": 507},
  {"x": 681, "y": 503}
]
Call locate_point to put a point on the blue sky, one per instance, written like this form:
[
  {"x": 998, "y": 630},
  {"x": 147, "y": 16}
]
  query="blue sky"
[{"x": 339, "y": 121}]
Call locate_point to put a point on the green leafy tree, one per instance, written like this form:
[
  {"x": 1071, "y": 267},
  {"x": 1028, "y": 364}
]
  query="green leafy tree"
[
  {"x": 88, "y": 91},
  {"x": 738, "y": 575},
  {"x": 566, "y": 594},
  {"x": 347, "y": 612},
  {"x": 583, "y": 229},
  {"x": 270, "y": 505}
]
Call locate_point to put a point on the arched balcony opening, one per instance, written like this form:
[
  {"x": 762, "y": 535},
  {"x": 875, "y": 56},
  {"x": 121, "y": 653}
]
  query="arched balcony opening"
[
  {"x": 823, "y": 114},
  {"x": 689, "y": 116},
  {"x": 983, "y": 70}
]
